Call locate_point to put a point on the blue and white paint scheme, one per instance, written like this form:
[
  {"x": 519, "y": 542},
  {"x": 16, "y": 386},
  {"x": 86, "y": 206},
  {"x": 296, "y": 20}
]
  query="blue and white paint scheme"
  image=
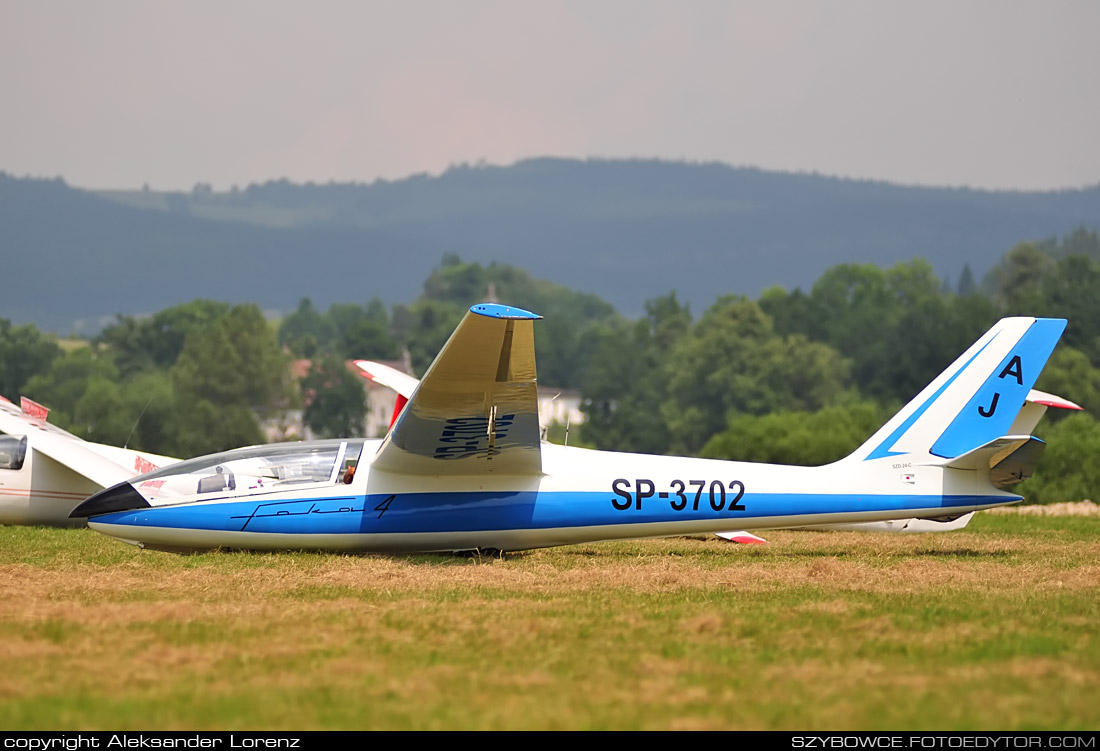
[
  {"x": 464, "y": 468},
  {"x": 1029, "y": 415}
]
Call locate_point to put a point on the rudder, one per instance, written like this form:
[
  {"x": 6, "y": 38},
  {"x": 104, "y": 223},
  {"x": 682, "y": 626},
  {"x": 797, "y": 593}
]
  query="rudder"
[{"x": 976, "y": 399}]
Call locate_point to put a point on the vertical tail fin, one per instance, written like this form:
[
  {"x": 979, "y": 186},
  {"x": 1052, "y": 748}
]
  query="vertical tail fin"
[{"x": 975, "y": 400}]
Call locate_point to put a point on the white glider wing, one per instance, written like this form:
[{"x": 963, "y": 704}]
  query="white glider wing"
[
  {"x": 392, "y": 378},
  {"x": 1035, "y": 406},
  {"x": 476, "y": 409},
  {"x": 63, "y": 447}
]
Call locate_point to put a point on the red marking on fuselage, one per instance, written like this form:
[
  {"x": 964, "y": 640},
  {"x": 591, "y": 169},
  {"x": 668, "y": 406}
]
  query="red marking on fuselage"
[
  {"x": 143, "y": 465},
  {"x": 53, "y": 494}
]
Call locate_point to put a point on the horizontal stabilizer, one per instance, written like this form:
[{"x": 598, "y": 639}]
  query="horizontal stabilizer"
[
  {"x": 1017, "y": 466},
  {"x": 1009, "y": 460},
  {"x": 986, "y": 456}
]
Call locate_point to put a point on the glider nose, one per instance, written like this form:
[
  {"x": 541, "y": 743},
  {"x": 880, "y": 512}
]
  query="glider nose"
[{"x": 121, "y": 497}]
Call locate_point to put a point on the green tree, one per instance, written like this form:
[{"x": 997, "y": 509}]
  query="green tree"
[
  {"x": 376, "y": 311},
  {"x": 1069, "y": 290},
  {"x": 799, "y": 438},
  {"x": 305, "y": 331},
  {"x": 896, "y": 326},
  {"x": 791, "y": 312},
  {"x": 1068, "y": 470},
  {"x": 204, "y": 428},
  {"x": 567, "y": 337},
  {"x": 24, "y": 353},
  {"x": 140, "y": 344},
  {"x": 1016, "y": 282},
  {"x": 1071, "y": 374},
  {"x": 368, "y": 339},
  {"x": 626, "y": 381},
  {"x": 228, "y": 376},
  {"x": 336, "y": 401},
  {"x": 342, "y": 316},
  {"x": 929, "y": 330},
  {"x": 733, "y": 362},
  {"x": 236, "y": 361},
  {"x": 87, "y": 397},
  {"x": 153, "y": 411},
  {"x": 461, "y": 283},
  {"x": 173, "y": 325},
  {"x": 103, "y": 413},
  {"x": 431, "y": 323},
  {"x": 130, "y": 343},
  {"x": 63, "y": 386},
  {"x": 967, "y": 285},
  {"x": 1080, "y": 242}
]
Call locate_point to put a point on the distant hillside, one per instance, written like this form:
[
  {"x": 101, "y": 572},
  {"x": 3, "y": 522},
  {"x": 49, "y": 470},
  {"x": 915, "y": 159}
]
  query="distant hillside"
[{"x": 626, "y": 230}]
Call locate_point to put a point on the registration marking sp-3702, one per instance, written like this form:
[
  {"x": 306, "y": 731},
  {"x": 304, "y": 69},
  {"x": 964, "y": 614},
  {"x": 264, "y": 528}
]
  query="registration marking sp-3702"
[
  {"x": 472, "y": 436},
  {"x": 681, "y": 495}
]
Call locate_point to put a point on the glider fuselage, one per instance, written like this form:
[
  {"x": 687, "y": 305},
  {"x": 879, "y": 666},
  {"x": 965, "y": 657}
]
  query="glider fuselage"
[
  {"x": 463, "y": 466},
  {"x": 582, "y": 496}
]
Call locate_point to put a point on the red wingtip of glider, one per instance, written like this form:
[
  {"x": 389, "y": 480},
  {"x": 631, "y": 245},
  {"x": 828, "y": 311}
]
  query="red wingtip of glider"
[
  {"x": 1051, "y": 400},
  {"x": 1059, "y": 405},
  {"x": 741, "y": 538}
]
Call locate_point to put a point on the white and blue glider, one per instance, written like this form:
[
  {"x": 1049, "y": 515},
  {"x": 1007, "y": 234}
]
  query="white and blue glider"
[
  {"x": 1033, "y": 410},
  {"x": 463, "y": 467}
]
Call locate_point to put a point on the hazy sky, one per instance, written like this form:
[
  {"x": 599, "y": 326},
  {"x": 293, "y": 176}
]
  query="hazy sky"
[{"x": 991, "y": 93}]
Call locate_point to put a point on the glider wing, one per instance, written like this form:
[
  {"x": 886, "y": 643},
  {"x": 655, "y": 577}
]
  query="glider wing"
[
  {"x": 63, "y": 447},
  {"x": 476, "y": 409}
]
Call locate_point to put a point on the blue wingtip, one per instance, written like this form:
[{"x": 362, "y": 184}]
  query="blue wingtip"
[{"x": 494, "y": 310}]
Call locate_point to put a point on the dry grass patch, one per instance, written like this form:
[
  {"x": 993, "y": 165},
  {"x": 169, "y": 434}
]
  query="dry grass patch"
[
  {"x": 1070, "y": 508},
  {"x": 991, "y": 627}
]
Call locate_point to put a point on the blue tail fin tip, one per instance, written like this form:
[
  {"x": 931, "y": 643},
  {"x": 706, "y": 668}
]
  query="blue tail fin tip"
[
  {"x": 495, "y": 310},
  {"x": 976, "y": 399},
  {"x": 992, "y": 409}
]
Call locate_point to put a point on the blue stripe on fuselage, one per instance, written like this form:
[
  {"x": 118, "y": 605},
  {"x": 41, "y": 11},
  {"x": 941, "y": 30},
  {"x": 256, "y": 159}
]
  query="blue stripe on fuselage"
[{"x": 482, "y": 511}]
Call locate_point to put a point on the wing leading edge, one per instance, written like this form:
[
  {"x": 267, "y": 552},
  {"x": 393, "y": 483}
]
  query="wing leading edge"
[
  {"x": 476, "y": 409},
  {"x": 64, "y": 448}
]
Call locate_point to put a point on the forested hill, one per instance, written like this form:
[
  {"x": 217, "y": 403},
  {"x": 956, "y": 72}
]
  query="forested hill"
[{"x": 626, "y": 230}]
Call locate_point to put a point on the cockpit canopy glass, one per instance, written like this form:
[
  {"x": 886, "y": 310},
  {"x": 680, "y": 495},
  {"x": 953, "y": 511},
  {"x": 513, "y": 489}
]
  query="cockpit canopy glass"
[
  {"x": 13, "y": 450},
  {"x": 276, "y": 466}
]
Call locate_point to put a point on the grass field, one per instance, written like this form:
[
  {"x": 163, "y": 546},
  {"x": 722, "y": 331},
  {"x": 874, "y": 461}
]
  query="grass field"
[{"x": 993, "y": 627}]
